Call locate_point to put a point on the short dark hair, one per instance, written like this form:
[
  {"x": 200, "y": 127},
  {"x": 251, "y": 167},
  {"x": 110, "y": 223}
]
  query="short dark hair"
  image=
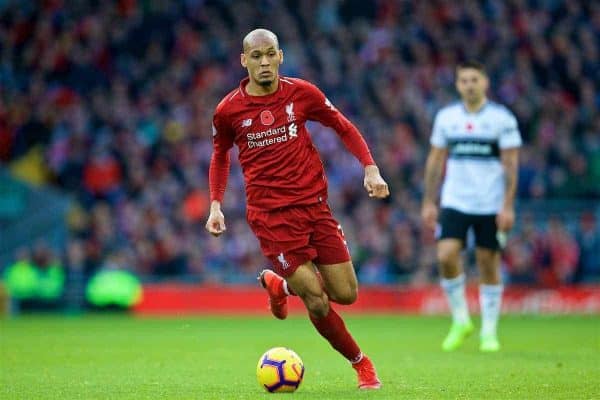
[{"x": 472, "y": 64}]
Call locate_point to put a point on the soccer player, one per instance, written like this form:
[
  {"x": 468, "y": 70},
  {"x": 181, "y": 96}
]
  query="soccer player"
[
  {"x": 286, "y": 191},
  {"x": 480, "y": 139}
]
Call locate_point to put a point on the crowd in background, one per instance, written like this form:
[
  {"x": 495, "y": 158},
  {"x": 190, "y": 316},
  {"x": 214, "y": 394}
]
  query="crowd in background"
[{"x": 119, "y": 97}]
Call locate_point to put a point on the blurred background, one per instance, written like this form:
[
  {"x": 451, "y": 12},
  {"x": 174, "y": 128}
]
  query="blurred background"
[{"x": 105, "y": 116}]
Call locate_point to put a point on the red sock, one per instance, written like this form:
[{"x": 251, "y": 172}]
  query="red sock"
[{"x": 332, "y": 328}]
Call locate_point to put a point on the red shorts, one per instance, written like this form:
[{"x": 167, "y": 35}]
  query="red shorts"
[{"x": 291, "y": 236}]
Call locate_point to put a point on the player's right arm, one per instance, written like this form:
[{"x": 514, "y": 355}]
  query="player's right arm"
[
  {"x": 434, "y": 169},
  {"x": 218, "y": 172}
]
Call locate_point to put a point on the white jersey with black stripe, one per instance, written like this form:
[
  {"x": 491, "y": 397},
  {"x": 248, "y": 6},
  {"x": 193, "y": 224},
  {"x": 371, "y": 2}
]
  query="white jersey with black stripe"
[{"x": 474, "y": 180}]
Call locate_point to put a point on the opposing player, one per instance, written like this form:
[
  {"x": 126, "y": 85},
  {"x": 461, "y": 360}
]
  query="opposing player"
[
  {"x": 286, "y": 191},
  {"x": 480, "y": 140}
]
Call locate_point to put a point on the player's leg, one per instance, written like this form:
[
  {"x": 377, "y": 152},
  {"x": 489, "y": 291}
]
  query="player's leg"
[
  {"x": 307, "y": 285},
  {"x": 490, "y": 297},
  {"x": 452, "y": 235},
  {"x": 340, "y": 282},
  {"x": 333, "y": 258},
  {"x": 490, "y": 288}
]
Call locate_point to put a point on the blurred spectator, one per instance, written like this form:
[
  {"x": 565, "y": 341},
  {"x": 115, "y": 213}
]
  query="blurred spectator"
[
  {"x": 518, "y": 257},
  {"x": 120, "y": 94},
  {"x": 588, "y": 238},
  {"x": 102, "y": 176},
  {"x": 558, "y": 254}
]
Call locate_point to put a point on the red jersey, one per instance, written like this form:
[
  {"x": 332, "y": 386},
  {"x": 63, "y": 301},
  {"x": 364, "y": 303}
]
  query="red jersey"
[{"x": 280, "y": 163}]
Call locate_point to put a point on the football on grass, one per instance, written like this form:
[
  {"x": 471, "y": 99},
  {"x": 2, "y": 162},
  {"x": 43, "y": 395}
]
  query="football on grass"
[{"x": 280, "y": 370}]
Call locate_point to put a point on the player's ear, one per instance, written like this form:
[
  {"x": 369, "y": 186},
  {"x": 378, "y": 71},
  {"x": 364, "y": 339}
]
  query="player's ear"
[
  {"x": 280, "y": 56},
  {"x": 486, "y": 82},
  {"x": 243, "y": 60}
]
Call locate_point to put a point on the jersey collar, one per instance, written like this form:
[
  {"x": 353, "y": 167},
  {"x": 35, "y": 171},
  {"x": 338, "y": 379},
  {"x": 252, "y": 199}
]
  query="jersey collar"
[
  {"x": 269, "y": 98},
  {"x": 483, "y": 107}
]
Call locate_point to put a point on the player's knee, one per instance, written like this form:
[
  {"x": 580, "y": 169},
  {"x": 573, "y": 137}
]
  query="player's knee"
[
  {"x": 346, "y": 296},
  {"x": 487, "y": 267},
  {"x": 317, "y": 306},
  {"x": 447, "y": 258},
  {"x": 487, "y": 262},
  {"x": 489, "y": 271}
]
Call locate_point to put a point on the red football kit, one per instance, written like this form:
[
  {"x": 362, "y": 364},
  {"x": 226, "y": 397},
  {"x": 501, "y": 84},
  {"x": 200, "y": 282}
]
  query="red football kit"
[{"x": 286, "y": 186}]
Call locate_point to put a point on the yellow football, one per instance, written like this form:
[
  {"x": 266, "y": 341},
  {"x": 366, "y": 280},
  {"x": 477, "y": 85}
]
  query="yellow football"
[{"x": 280, "y": 370}]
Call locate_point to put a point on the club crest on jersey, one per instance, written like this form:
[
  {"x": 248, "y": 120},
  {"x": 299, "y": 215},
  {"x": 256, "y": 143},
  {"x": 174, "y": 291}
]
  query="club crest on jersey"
[
  {"x": 267, "y": 118},
  {"x": 293, "y": 130},
  {"x": 246, "y": 123},
  {"x": 289, "y": 109},
  {"x": 469, "y": 127}
]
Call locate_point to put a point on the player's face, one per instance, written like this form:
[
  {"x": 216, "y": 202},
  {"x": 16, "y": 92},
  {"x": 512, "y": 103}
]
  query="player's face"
[
  {"x": 471, "y": 84},
  {"x": 262, "y": 62}
]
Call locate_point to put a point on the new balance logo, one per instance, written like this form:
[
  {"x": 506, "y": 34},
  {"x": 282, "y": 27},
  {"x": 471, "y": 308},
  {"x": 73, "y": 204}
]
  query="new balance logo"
[
  {"x": 293, "y": 130},
  {"x": 289, "y": 109},
  {"x": 246, "y": 123},
  {"x": 283, "y": 261}
]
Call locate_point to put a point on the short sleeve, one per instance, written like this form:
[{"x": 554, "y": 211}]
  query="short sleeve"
[
  {"x": 509, "y": 132},
  {"x": 438, "y": 138}
]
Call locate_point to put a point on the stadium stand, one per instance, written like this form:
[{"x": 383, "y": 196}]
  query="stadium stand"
[{"x": 119, "y": 95}]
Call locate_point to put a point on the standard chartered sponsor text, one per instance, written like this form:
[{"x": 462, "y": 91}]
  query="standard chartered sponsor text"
[
  {"x": 269, "y": 137},
  {"x": 267, "y": 133}
]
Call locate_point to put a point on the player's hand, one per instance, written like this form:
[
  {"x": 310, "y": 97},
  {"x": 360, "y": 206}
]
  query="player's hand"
[
  {"x": 216, "y": 221},
  {"x": 505, "y": 219},
  {"x": 374, "y": 183},
  {"x": 429, "y": 214}
]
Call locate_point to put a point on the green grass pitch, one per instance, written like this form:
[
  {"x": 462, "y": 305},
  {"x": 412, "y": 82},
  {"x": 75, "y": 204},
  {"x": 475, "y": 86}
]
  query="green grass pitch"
[{"x": 123, "y": 357}]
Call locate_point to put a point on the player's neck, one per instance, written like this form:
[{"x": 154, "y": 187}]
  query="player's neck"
[
  {"x": 254, "y": 89},
  {"x": 475, "y": 107}
]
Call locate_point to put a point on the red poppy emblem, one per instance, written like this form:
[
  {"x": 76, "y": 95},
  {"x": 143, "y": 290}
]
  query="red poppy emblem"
[
  {"x": 469, "y": 126},
  {"x": 267, "y": 118}
]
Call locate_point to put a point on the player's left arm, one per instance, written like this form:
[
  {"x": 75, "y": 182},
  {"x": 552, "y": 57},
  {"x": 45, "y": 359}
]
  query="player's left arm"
[
  {"x": 510, "y": 163},
  {"x": 510, "y": 141},
  {"x": 321, "y": 110}
]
